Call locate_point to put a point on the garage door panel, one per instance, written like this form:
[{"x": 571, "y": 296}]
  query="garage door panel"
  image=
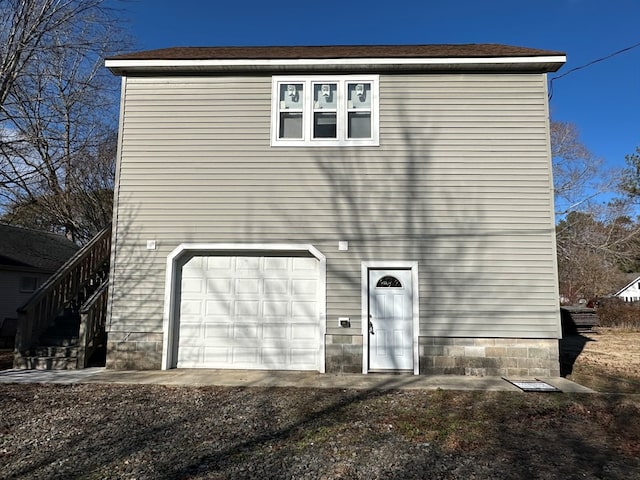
[
  {"x": 304, "y": 332},
  {"x": 304, "y": 264},
  {"x": 275, "y": 331},
  {"x": 276, "y": 263},
  {"x": 304, "y": 287},
  {"x": 275, "y": 308},
  {"x": 275, "y": 357},
  {"x": 216, "y": 330},
  {"x": 192, "y": 285},
  {"x": 191, "y": 308},
  {"x": 248, "y": 286},
  {"x": 217, "y": 263},
  {"x": 301, "y": 357},
  {"x": 191, "y": 331},
  {"x": 242, "y": 331},
  {"x": 220, "y": 286},
  {"x": 248, "y": 263},
  {"x": 276, "y": 286},
  {"x": 218, "y": 308},
  {"x": 191, "y": 355},
  {"x": 247, "y": 308},
  {"x": 195, "y": 264},
  {"x": 215, "y": 356},
  {"x": 255, "y": 312},
  {"x": 303, "y": 309},
  {"x": 245, "y": 355}
]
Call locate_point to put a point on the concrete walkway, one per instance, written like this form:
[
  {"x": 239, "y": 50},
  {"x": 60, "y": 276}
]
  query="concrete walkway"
[{"x": 256, "y": 378}]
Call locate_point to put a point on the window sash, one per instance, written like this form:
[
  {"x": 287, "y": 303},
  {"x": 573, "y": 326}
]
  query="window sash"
[{"x": 291, "y": 110}]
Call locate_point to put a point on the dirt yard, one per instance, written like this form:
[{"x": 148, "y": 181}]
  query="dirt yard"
[
  {"x": 160, "y": 432},
  {"x": 607, "y": 360}
]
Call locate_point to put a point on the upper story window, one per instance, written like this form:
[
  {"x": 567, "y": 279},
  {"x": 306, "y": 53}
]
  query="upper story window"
[{"x": 329, "y": 111}]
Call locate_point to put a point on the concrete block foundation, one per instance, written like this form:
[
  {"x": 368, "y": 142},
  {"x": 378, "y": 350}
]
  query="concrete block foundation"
[
  {"x": 507, "y": 357},
  {"x": 343, "y": 353},
  {"x": 134, "y": 351}
]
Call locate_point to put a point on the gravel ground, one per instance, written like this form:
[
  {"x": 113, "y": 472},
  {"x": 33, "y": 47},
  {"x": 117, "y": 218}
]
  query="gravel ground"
[{"x": 159, "y": 432}]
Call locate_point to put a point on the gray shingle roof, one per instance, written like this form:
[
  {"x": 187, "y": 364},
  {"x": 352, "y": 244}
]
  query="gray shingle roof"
[
  {"x": 478, "y": 50},
  {"x": 22, "y": 247},
  {"x": 337, "y": 58}
]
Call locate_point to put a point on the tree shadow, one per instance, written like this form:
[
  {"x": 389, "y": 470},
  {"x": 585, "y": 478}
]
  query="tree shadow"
[
  {"x": 132, "y": 267},
  {"x": 215, "y": 432},
  {"x": 571, "y": 344}
]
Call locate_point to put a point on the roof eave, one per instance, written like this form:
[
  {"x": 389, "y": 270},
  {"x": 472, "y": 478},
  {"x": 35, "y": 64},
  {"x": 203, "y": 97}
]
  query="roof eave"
[
  {"x": 533, "y": 64},
  {"x": 636, "y": 280}
]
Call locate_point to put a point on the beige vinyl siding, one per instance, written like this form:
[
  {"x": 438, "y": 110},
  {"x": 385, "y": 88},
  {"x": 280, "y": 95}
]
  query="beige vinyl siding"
[{"x": 460, "y": 183}]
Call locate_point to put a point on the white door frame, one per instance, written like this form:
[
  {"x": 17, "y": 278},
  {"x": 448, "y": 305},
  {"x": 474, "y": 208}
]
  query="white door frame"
[
  {"x": 364, "y": 288},
  {"x": 185, "y": 250}
]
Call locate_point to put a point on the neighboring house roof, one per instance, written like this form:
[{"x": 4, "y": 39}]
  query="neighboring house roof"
[
  {"x": 432, "y": 57},
  {"x": 628, "y": 286},
  {"x": 33, "y": 249}
]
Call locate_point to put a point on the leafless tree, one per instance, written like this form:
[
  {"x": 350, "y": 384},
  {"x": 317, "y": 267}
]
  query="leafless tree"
[
  {"x": 597, "y": 241},
  {"x": 57, "y": 114},
  {"x": 594, "y": 254},
  {"x": 579, "y": 176}
]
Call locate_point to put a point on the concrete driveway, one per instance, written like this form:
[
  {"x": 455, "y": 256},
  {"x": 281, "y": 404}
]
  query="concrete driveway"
[{"x": 256, "y": 378}]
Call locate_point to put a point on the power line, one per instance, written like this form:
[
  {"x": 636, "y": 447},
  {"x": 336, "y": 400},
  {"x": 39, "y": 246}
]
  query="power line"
[{"x": 602, "y": 59}]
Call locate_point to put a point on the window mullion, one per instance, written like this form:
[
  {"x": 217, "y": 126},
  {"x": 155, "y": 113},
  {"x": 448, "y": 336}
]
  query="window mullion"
[
  {"x": 340, "y": 120},
  {"x": 308, "y": 111}
]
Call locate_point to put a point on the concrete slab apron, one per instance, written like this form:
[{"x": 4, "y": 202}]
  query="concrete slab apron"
[{"x": 257, "y": 378}]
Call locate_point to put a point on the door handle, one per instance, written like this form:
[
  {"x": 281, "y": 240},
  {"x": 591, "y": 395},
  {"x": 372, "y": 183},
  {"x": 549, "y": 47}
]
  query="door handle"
[{"x": 371, "y": 332}]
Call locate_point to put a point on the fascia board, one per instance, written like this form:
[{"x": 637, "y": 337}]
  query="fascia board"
[{"x": 118, "y": 66}]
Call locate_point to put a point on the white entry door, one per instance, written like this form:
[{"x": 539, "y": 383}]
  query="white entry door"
[{"x": 390, "y": 320}]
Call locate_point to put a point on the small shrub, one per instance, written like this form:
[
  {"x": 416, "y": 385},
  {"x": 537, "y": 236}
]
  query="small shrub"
[{"x": 616, "y": 313}]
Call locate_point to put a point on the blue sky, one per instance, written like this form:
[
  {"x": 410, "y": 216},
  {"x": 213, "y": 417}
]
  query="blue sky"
[{"x": 603, "y": 100}]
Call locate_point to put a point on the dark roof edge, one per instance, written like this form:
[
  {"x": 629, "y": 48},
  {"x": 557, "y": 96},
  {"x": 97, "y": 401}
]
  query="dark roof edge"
[
  {"x": 489, "y": 50},
  {"x": 273, "y": 60}
]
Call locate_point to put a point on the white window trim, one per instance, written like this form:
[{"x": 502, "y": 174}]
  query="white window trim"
[{"x": 307, "y": 123}]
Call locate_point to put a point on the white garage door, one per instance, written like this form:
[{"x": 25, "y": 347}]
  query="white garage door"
[{"x": 249, "y": 312}]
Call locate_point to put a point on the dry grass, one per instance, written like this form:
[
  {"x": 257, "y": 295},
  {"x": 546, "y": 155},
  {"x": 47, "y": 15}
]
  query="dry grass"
[{"x": 609, "y": 361}]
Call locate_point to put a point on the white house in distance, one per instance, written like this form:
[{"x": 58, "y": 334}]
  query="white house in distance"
[
  {"x": 344, "y": 209},
  {"x": 631, "y": 292}
]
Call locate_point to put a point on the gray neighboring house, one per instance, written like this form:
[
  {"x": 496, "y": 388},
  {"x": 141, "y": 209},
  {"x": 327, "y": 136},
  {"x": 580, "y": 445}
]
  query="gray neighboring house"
[
  {"x": 27, "y": 259},
  {"x": 340, "y": 209}
]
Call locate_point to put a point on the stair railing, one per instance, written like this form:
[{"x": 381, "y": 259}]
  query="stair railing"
[
  {"x": 93, "y": 315},
  {"x": 60, "y": 290}
]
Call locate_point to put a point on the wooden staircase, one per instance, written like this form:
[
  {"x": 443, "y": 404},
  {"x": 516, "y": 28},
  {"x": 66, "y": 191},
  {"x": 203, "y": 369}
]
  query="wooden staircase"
[{"x": 63, "y": 323}]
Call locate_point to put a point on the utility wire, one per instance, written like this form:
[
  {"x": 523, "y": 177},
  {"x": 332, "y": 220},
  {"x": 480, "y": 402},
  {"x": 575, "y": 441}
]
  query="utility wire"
[{"x": 602, "y": 59}]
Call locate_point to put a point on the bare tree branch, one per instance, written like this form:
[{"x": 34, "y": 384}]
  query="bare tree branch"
[{"x": 57, "y": 113}]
